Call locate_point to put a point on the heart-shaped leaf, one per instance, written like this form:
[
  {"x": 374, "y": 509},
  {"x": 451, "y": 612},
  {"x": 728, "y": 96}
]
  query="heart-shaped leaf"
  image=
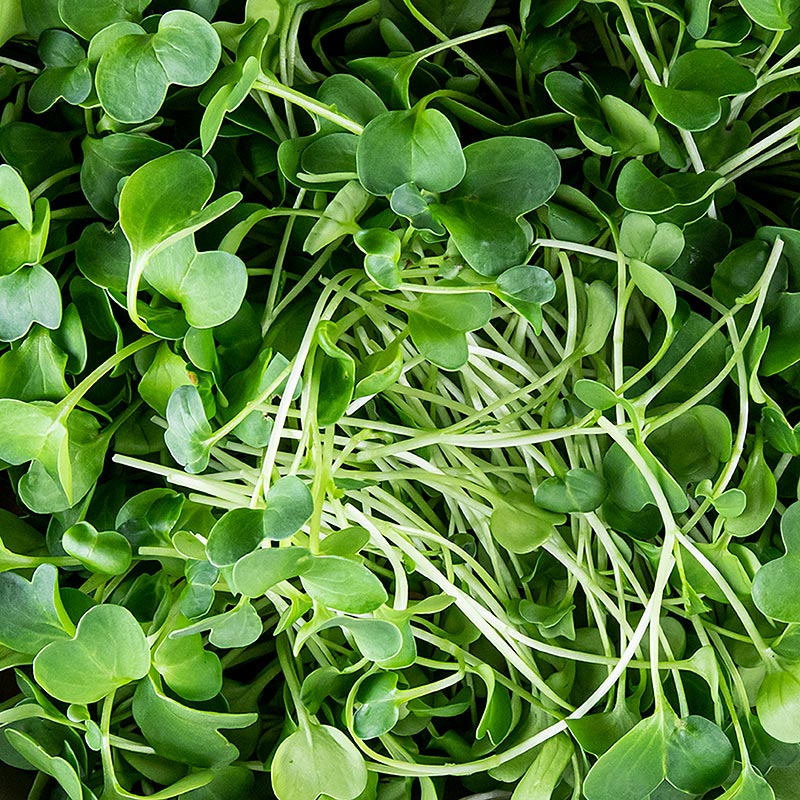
[
  {"x": 317, "y": 759},
  {"x": 106, "y": 552},
  {"x": 256, "y": 573},
  {"x": 109, "y": 159},
  {"x": 210, "y": 286},
  {"x": 88, "y": 17},
  {"x": 109, "y": 650},
  {"x": 697, "y": 82},
  {"x": 289, "y": 506},
  {"x": 439, "y": 323},
  {"x": 134, "y": 73},
  {"x": 419, "y": 146},
  {"x": 381, "y": 250},
  {"x": 33, "y": 615},
  {"x": 183, "y": 734},
  {"x": 67, "y": 75},
  {"x": 378, "y": 708},
  {"x": 580, "y": 490},
  {"x": 343, "y": 584},
  {"x": 188, "y": 435},
  {"x": 505, "y": 177},
  {"x": 29, "y": 295},
  {"x": 237, "y": 533},
  {"x": 188, "y": 669}
]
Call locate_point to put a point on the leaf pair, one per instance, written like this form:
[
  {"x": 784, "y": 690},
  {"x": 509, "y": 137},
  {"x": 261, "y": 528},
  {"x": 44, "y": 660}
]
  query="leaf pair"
[
  {"x": 343, "y": 584},
  {"x": 136, "y": 68},
  {"x": 242, "y": 530},
  {"x": 159, "y": 227},
  {"x": 606, "y": 124},
  {"x": 692, "y": 754}
]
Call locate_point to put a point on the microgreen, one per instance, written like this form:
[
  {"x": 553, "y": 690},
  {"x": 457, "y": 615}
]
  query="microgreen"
[{"x": 399, "y": 399}]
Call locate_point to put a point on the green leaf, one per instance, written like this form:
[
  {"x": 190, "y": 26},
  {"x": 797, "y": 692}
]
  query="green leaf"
[
  {"x": 377, "y": 639},
  {"x": 29, "y": 295},
  {"x": 59, "y": 768},
  {"x": 580, "y": 490},
  {"x": 758, "y": 483},
  {"x": 770, "y": 14},
  {"x": 699, "y": 755},
  {"x": 188, "y": 435},
  {"x": 33, "y": 615},
  {"x": 35, "y": 432},
  {"x": 382, "y": 250},
  {"x": 339, "y": 218},
  {"x": 34, "y": 370},
  {"x": 774, "y": 584},
  {"x": 14, "y": 196},
  {"x": 134, "y": 73},
  {"x": 106, "y": 552},
  {"x": 66, "y": 76},
  {"x": 638, "y": 189},
  {"x": 110, "y": 159},
  {"x": 419, "y": 146},
  {"x": 439, "y": 323},
  {"x": 378, "y": 705},
  {"x": 237, "y": 533},
  {"x": 104, "y": 256},
  {"x": 505, "y": 177},
  {"x": 289, "y": 506},
  {"x": 595, "y": 395},
  {"x": 167, "y": 371},
  {"x": 520, "y": 526},
  {"x": 633, "y": 767},
  {"x": 342, "y": 584},
  {"x": 654, "y": 286},
  {"x": 317, "y": 759},
  {"x": 183, "y": 734},
  {"x": 334, "y": 374},
  {"x": 210, "y": 286},
  {"x": 256, "y": 573},
  {"x": 544, "y": 774},
  {"x": 20, "y": 247},
  {"x": 88, "y": 17},
  {"x": 109, "y": 650},
  {"x": 658, "y": 245},
  {"x": 694, "y": 446},
  {"x": 778, "y": 701},
  {"x": 697, "y": 82}
]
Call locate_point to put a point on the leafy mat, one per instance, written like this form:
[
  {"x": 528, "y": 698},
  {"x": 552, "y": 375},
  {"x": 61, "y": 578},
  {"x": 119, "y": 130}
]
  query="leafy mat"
[{"x": 399, "y": 399}]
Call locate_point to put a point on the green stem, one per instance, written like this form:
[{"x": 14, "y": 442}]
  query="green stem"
[
  {"x": 270, "y": 85},
  {"x": 76, "y": 395}
]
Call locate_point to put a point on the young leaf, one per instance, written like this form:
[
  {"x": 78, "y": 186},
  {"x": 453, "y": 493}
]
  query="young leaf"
[
  {"x": 418, "y": 146},
  {"x": 633, "y": 767},
  {"x": 106, "y": 552},
  {"x": 697, "y": 82},
  {"x": 505, "y": 177},
  {"x": 33, "y": 615},
  {"x": 289, "y": 506},
  {"x": 317, "y": 759},
  {"x": 189, "y": 433},
  {"x": 256, "y": 573},
  {"x": 133, "y": 74},
  {"x": 108, "y": 651},
  {"x": 184, "y": 734},
  {"x": 439, "y": 323},
  {"x": 342, "y": 584},
  {"x": 14, "y": 196},
  {"x": 29, "y": 295},
  {"x": 580, "y": 490}
]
